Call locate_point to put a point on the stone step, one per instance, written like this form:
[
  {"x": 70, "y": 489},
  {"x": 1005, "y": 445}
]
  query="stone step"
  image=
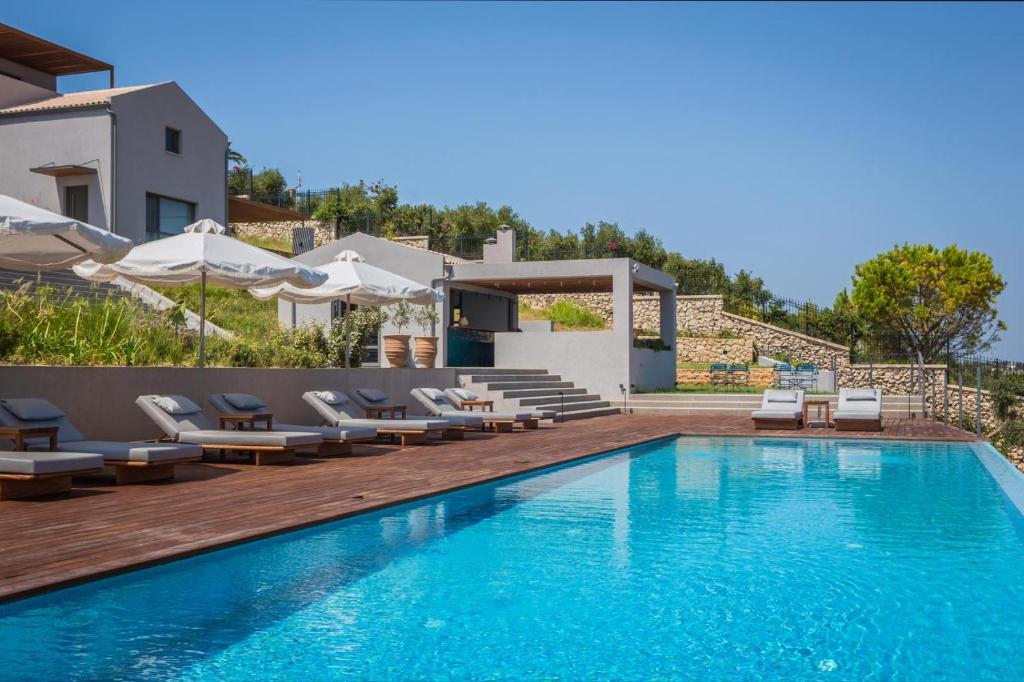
[
  {"x": 557, "y": 399},
  {"x": 587, "y": 414},
  {"x": 465, "y": 371},
  {"x": 578, "y": 407},
  {"x": 512, "y": 385},
  {"x": 543, "y": 392},
  {"x": 487, "y": 378}
]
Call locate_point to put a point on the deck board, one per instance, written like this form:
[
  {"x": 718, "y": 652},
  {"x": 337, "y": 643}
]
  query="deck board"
[{"x": 102, "y": 529}]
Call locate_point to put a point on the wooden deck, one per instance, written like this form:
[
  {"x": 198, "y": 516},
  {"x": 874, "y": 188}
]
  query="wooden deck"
[{"x": 102, "y": 529}]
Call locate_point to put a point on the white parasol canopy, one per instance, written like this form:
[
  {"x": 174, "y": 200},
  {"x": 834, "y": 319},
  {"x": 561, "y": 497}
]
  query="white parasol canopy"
[
  {"x": 203, "y": 253},
  {"x": 350, "y": 277},
  {"x": 34, "y": 239}
]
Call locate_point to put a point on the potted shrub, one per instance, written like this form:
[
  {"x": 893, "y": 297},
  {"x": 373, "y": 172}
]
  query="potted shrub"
[
  {"x": 396, "y": 346},
  {"x": 426, "y": 346}
]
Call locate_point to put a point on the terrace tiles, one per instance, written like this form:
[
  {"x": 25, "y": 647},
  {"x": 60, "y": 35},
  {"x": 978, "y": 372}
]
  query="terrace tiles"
[{"x": 103, "y": 529}]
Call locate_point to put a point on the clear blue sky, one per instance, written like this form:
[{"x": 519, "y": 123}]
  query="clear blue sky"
[{"x": 791, "y": 140}]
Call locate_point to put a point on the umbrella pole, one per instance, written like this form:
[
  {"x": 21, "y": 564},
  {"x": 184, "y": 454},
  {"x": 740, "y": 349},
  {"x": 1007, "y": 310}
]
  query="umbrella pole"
[
  {"x": 202, "y": 335},
  {"x": 202, "y": 321},
  {"x": 348, "y": 335}
]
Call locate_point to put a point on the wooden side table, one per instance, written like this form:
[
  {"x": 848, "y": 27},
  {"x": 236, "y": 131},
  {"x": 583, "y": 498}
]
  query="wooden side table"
[
  {"x": 20, "y": 434},
  {"x": 818, "y": 403},
  {"x": 246, "y": 421},
  {"x": 385, "y": 412},
  {"x": 484, "y": 405}
]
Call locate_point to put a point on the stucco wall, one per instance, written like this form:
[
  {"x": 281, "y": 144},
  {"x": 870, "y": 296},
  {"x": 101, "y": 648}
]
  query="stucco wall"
[
  {"x": 100, "y": 401},
  {"x": 30, "y": 75},
  {"x": 197, "y": 175},
  {"x": 31, "y": 140},
  {"x": 591, "y": 360}
]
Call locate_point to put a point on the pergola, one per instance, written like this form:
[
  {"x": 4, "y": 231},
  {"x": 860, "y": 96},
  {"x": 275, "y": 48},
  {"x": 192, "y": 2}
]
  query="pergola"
[{"x": 50, "y": 58}]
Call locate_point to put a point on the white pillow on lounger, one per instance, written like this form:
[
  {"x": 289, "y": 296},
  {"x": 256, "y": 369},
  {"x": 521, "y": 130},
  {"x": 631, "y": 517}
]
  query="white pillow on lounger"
[
  {"x": 176, "y": 404},
  {"x": 434, "y": 394},
  {"x": 331, "y": 397},
  {"x": 465, "y": 394}
]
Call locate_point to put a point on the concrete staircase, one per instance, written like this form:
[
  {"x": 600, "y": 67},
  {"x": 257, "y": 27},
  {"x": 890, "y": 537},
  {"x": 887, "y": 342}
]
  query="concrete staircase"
[
  {"x": 742, "y": 404},
  {"x": 534, "y": 389}
]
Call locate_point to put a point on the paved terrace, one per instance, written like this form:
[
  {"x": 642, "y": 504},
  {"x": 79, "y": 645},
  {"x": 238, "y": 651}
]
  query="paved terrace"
[{"x": 102, "y": 529}]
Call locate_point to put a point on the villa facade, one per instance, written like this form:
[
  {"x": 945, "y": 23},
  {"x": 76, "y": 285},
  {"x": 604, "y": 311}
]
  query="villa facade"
[{"x": 141, "y": 161}]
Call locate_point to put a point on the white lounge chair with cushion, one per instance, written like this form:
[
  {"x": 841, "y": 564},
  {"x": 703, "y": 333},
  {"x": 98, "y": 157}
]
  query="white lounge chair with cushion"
[
  {"x": 501, "y": 421},
  {"x": 184, "y": 422},
  {"x": 336, "y": 441},
  {"x": 369, "y": 398},
  {"x": 859, "y": 409},
  {"x": 131, "y": 462},
  {"x": 32, "y": 474},
  {"x": 780, "y": 410},
  {"x": 337, "y": 409}
]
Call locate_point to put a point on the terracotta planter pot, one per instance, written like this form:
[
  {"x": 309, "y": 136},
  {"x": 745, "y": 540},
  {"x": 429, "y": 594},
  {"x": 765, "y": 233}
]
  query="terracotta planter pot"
[
  {"x": 426, "y": 351},
  {"x": 396, "y": 349}
]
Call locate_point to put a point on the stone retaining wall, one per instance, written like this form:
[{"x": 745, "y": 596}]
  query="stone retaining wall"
[
  {"x": 759, "y": 376},
  {"x": 704, "y": 349},
  {"x": 769, "y": 339},
  {"x": 281, "y": 230}
]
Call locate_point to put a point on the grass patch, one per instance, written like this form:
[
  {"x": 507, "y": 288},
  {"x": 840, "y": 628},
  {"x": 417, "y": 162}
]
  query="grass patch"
[
  {"x": 565, "y": 316},
  {"x": 232, "y": 309},
  {"x": 270, "y": 244},
  {"x": 693, "y": 365}
]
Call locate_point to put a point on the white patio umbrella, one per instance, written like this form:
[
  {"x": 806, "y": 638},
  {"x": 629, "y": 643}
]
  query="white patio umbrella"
[
  {"x": 33, "y": 239},
  {"x": 351, "y": 278},
  {"x": 203, "y": 253}
]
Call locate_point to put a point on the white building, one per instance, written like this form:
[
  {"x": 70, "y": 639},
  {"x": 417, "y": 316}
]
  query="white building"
[{"x": 142, "y": 161}]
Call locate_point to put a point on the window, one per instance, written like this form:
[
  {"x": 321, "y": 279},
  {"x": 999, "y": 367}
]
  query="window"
[
  {"x": 167, "y": 217},
  {"x": 76, "y": 202},
  {"x": 172, "y": 140}
]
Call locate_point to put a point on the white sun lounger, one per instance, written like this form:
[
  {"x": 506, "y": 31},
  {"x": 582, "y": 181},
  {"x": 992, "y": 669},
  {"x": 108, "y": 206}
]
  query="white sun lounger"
[
  {"x": 780, "y": 410},
  {"x": 131, "y": 462},
  {"x": 859, "y": 409},
  {"x": 368, "y": 398},
  {"x": 501, "y": 421},
  {"x": 336, "y": 440},
  {"x": 33, "y": 474},
  {"x": 337, "y": 409},
  {"x": 184, "y": 422}
]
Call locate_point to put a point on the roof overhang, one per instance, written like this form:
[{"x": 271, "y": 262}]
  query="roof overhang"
[
  {"x": 63, "y": 170},
  {"x": 552, "y": 277},
  {"x": 42, "y": 55}
]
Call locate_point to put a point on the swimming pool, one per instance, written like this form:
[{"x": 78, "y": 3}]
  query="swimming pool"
[{"x": 717, "y": 558}]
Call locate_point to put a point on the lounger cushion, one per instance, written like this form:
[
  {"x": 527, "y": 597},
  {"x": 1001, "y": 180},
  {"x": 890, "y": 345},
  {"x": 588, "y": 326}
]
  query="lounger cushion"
[
  {"x": 176, "y": 404},
  {"x": 543, "y": 414},
  {"x": 786, "y": 415},
  {"x": 244, "y": 401},
  {"x": 429, "y": 424},
  {"x": 372, "y": 395},
  {"x": 32, "y": 463},
  {"x": 467, "y": 419},
  {"x": 858, "y": 394},
  {"x": 781, "y": 396},
  {"x": 856, "y": 414},
  {"x": 331, "y": 432},
  {"x": 33, "y": 409},
  {"x": 505, "y": 416},
  {"x": 113, "y": 451},
  {"x": 281, "y": 439},
  {"x": 331, "y": 397},
  {"x": 465, "y": 394}
]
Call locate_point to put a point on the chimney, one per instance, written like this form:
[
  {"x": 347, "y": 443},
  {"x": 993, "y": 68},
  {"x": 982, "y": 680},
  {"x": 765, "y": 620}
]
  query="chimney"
[{"x": 502, "y": 247}]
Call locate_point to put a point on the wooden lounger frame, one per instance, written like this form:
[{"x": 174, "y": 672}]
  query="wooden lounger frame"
[
  {"x": 858, "y": 424},
  {"x": 781, "y": 424},
  {"x": 127, "y": 471},
  {"x": 259, "y": 454},
  {"x": 507, "y": 425},
  {"x": 18, "y": 486}
]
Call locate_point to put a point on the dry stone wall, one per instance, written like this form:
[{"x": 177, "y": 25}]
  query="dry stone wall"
[
  {"x": 769, "y": 340},
  {"x": 281, "y": 230},
  {"x": 705, "y": 349},
  {"x": 759, "y": 376}
]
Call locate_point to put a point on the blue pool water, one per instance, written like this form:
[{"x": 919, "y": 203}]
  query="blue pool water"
[{"x": 691, "y": 557}]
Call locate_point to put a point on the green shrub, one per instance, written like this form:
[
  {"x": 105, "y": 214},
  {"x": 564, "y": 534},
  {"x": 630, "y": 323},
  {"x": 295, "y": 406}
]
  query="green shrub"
[
  {"x": 651, "y": 344},
  {"x": 571, "y": 315}
]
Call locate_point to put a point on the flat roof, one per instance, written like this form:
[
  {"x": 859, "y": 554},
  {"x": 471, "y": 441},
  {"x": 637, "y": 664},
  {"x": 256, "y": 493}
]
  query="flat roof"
[{"x": 42, "y": 55}]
